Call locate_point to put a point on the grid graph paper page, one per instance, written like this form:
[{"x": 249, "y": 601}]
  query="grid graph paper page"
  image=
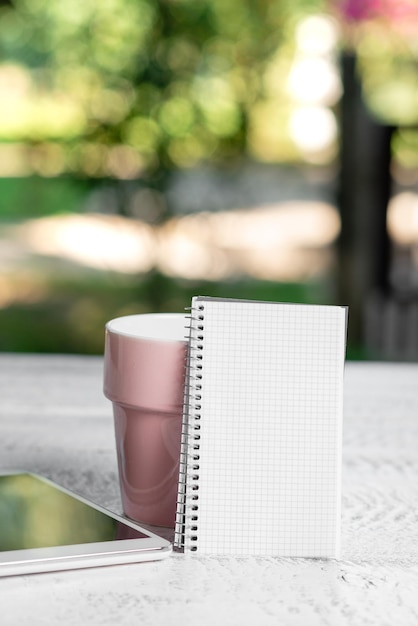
[{"x": 270, "y": 422}]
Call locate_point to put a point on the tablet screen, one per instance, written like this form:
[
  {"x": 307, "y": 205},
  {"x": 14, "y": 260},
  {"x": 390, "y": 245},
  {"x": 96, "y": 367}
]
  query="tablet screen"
[{"x": 35, "y": 514}]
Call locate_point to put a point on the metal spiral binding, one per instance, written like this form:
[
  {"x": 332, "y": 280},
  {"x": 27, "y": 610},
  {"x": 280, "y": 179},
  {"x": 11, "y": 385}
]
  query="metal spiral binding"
[{"x": 187, "y": 514}]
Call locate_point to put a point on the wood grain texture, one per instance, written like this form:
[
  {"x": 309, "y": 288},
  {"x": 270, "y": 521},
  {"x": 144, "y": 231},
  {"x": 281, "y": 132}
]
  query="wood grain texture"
[{"x": 55, "y": 421}]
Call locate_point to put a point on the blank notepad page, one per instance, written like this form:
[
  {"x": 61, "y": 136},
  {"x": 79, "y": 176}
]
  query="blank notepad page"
[{"x": 264, "y": 429}]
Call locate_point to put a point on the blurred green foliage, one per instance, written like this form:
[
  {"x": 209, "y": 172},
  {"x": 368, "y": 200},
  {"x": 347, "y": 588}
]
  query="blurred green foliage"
[
  {"x": 167, "y": 83},
  {"x": 133, "y": 88}
]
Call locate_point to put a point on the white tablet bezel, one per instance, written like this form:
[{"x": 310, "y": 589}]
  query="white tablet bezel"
[{"x": 77, "y": 556}]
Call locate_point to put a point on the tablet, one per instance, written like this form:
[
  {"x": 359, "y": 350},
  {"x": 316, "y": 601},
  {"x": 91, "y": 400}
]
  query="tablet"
[{"x": 44, "y": 527}]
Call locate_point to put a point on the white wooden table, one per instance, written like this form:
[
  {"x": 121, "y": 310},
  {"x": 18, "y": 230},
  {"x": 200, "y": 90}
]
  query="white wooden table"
[{"x": 55, "y": 421}]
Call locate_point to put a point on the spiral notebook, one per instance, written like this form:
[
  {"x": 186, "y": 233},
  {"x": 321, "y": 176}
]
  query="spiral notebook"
[{"x": 260, "y": 467}]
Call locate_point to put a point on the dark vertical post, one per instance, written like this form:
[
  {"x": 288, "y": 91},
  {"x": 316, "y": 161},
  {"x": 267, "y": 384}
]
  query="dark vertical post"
[{"x": 363, "y": 195}]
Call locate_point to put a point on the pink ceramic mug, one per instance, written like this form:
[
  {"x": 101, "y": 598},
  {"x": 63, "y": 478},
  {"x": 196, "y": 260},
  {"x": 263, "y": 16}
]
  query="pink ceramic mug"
[{"x": 144, "y": 369}]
